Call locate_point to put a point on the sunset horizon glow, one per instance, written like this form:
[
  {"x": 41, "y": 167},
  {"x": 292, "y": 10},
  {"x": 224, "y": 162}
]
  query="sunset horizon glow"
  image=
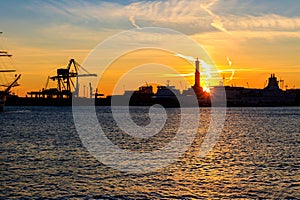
[{"x": 247, "y": 40}]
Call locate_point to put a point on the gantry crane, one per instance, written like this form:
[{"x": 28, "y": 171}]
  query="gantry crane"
[{"x": 65, "y": 76}]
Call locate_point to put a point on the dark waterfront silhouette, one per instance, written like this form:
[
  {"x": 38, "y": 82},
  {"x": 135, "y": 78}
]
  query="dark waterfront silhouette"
[{"x": 168, "y": 96}]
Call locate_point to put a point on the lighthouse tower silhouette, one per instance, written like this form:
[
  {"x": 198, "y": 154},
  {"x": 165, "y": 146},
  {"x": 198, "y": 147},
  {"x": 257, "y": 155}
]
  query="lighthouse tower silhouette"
[
  {"x": 197, "y": 74},
  {"x": 197, "y": 87}
]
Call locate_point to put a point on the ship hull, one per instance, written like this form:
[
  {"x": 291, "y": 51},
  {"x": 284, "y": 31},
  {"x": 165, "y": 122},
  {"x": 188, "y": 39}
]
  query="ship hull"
[{"x": 2, "y": 102}]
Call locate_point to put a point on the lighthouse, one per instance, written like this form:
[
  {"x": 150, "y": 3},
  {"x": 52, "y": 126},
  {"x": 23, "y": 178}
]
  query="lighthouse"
[
  {"x": 197, "y": 87},
  {"x": 197, "y": 74}
]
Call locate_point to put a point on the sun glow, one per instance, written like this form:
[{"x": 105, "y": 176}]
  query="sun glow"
[{"x": 206, "y": 89}]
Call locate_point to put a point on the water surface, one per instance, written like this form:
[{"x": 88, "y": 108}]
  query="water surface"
[{"x": 257, "y": 156}]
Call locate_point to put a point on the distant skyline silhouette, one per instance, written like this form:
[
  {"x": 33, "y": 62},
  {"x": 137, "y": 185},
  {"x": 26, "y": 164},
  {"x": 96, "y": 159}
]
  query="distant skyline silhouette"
[{"x": 258, "y": 37}]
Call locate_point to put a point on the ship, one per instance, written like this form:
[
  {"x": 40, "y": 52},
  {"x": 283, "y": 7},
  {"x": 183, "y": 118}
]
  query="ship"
[
  {"x": 167, "y": 96},
  {"x": 6, "y": 92},
  {"x": 6, "y": 88},
  {"x": 271, "y": 95}
]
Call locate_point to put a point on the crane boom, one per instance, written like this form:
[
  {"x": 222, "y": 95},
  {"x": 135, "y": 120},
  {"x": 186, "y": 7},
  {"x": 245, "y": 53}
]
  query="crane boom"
[
  {"x": 7, "y": 70},
  {"x": 85, "y": 75},
  {"x": 65, "y": 77}
]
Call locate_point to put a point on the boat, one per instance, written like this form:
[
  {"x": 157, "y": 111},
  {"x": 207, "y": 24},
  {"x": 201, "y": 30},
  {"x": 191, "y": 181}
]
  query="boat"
[
  {"x": 271, "y": 95},
  {"x": 6, "y": 88}
]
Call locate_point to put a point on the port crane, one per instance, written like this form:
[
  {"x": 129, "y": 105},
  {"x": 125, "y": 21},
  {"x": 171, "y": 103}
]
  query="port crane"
[{"x": 65, "y": 76}]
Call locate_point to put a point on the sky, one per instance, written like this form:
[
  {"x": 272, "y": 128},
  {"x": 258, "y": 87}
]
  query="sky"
[{"x": 247, "y": 40}]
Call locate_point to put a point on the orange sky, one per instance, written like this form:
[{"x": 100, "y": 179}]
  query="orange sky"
[
  {"x": 252, "y": 62},
  {"x": 154, "y": 70},
  {"x": 260, "y": 39}
]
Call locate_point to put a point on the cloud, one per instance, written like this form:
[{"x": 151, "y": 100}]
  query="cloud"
[
  {"x": 269, "y": 22},
  {"x": 229, "y": 61},
  {"x": 189, "y": 17},
  {"x": 190, "y": 58},
  {"x": 132, "y": 20},
  {"x": 170, "y": 13},
  {"x": 217, "y": 22}
]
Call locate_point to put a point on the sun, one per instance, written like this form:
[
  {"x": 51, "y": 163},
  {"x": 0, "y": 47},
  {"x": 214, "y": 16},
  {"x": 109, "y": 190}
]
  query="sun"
[{"x": 206, "y": 89}]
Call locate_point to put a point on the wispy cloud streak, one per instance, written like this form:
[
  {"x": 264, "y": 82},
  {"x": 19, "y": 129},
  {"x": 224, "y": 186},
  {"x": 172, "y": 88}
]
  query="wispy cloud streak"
[
  {"x": 217, "y": 22},
  {"x": 190, "y": 58},
  {"x": 185, "y": 16},
  {"x": 132, "y": 20},
  {"x": 208, "y": 70}
]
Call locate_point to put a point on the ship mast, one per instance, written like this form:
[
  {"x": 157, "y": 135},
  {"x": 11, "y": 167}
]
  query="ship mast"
[
  {"x": 5, "y": 54},
  {"x": 6, "y": 91},
  {"x": 17, "y": 77}
]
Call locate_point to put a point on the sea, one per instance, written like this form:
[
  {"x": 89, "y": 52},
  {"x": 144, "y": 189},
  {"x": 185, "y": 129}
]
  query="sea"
[{"x": 256, "y": 156}]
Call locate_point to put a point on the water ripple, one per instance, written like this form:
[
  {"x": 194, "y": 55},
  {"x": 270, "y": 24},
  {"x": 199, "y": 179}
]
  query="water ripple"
[{"x": 257, "y": 156}]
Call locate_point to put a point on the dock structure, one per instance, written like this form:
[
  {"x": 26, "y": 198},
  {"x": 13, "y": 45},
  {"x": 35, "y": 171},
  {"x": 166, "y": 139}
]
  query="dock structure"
[{"x": 66, "y": 85}]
